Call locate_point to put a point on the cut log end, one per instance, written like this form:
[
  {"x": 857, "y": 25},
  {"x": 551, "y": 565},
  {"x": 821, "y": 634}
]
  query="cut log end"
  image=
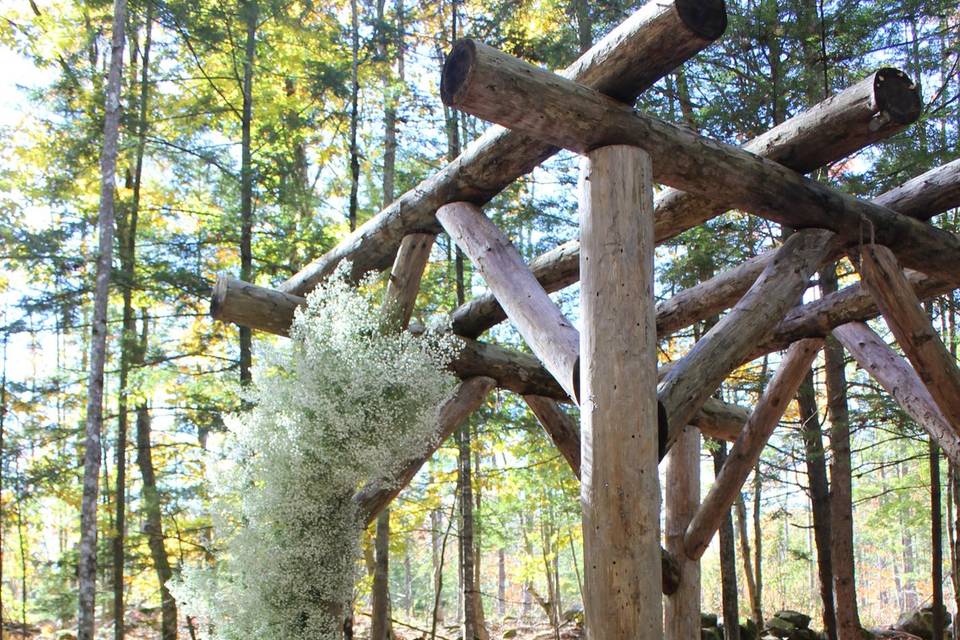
[
  {"x": 456, "y": 70},
  {"x": 706, "y": 18},
  {"x": 897, "y": 95},
  {"x": 219, "y": 296}
]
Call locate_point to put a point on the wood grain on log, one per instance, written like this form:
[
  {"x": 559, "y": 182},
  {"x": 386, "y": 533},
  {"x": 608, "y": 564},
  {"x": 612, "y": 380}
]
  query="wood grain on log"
[
  {"x": 466, "y": 399},
  {"x": 620, "y": 489},
  {"x": 508, "y": 91},
  {"x": 747, "y": 449},
  {"x": 538, "y": 318},
  {"x": 701, "y": 371},
  {"x": 882, "y": 277},
  {"x": 648, "y": 45},
  {"x": 901, "y": 381}
]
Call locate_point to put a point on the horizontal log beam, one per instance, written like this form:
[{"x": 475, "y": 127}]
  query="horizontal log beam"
[
  {"x": 651, "y": 43},
  {"x": 873, "y": 109},
  {"x": 901, "y": 381},
  {"x": 497, "y": 87},
  {"x": 922, "y": 198},
  {"x": 272, "y": 311},
  {"x": 747, "y": 449}
]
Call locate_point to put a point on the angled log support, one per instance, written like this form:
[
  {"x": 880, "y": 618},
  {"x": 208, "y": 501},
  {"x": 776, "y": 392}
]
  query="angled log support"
[
  {"x": 748, "y": 447},
  {"x": 538, "y": 319},
  {"x": 651, "y": 43},
  {"x": 561, "y": 428},
  {"x": 681, "y": 496},
  {"x": 699, "y": 373},
  {"x": 467, "y": 398},
  {"x": 937, "y": 368},
  {"x": 619, "y": 491},
  {"x": 404, "y": 282},
  {"x": 497, "y": 87},
  {"x": 901, "y": 381}
]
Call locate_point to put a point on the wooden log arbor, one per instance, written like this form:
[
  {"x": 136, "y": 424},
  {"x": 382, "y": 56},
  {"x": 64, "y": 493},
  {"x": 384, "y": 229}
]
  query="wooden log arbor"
[{"x": 630, "y": 415}]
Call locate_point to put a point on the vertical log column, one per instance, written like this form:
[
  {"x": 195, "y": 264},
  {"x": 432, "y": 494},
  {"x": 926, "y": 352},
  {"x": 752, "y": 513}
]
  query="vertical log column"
[
  {"x": 682, "y": 498},
  {"x": 620, "y": 492}
]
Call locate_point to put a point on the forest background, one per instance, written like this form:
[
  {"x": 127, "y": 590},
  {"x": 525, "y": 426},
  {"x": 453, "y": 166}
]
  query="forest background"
[{"x": 254, "y": 135}]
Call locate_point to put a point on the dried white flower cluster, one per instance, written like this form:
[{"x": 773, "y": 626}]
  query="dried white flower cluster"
[{"x": 345, "y": 402}]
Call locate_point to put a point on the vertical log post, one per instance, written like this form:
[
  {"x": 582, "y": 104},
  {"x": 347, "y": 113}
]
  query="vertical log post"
[
  {"x": 620, "y": 493},
  {"x": 884, "y": 279},
  {"x": 538, "y": 319},
  {"x": 681, "y": 498},
  {"x": 404, "y": 282}
]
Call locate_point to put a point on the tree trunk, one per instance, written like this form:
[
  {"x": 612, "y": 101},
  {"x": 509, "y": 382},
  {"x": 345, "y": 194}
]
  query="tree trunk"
[
  {"x": 501, "y": 582},
  {"x": 98, "y": 342},
  {"x": 728, "y": 559},
  {"x": 127, "y": 230},
  {"x": 819, "y": 497},
  {"x": 354, "y": 112},
  {"x": 747, "y": 558},
  {"x": 465, "y": 481},
  {"x": 841, "y": 492},
  {"x": 936, "y": 541},
  {"x": 154, "y": 517},
  {"x": 380, "y": 628},
  {"x": 758, "y": 544},
  {"x": 249, "y": 9}
]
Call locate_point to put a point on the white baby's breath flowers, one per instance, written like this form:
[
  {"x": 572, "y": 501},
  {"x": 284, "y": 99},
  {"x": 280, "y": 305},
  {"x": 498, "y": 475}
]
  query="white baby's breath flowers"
[{"x": 346, "y": 401}]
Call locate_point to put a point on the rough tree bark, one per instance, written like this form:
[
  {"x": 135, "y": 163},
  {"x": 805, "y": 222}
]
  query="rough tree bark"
[
  {"x": 87, "y": 572},
  {"x": 728, "y": 560},
  {"x": 249, "y": 10},
  {"x": 841, "y": 491},
  {"x": 816, "y": 463}
]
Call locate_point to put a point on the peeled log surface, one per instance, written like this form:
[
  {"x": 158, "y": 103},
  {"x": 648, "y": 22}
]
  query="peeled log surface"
[
  {"x": 619, "y": 444},
  {"x": 901, "y": 381},
  {"x": 747, "y": 449},
  {"x": 467, "y": 398},
  {"x": 404, "y": 281},
  {"x": 537, "y": 318},
  {"x": 497, "y": 87},
  {"x": 700, "y": 372},
  {"x": 651, "y": 43},
  {"x": 937, "y": 368},
  {"x": 875, "y": 108},
  {"x": 681, "y": 498},
  {"x": 269, "y": 310}
]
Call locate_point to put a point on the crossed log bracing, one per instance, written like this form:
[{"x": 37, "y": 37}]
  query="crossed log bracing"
[{"x": 762, "y": 177}]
